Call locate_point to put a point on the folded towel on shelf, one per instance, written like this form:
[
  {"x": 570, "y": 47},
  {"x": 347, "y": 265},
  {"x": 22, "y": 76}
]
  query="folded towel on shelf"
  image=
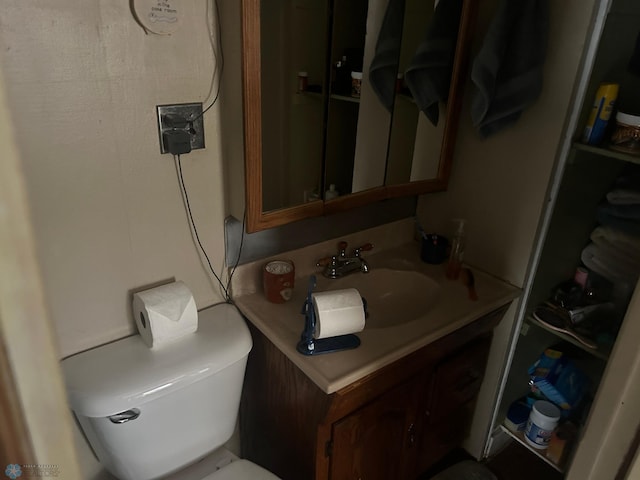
[
  {"x": 630, "y": 227},
  {"x": 610, "y": 267},
  {"x": 608, "y": 250},
  {"x": 630, "y": 180},
  {"x": 622, "y": 196},
  {"x": 627, "y": 212},
  {"x": 383, "y": 71},
  {"x": 628, "y": 245},
  {"x": 429, "y": 74},
  {"x": 508, "y": 69}
]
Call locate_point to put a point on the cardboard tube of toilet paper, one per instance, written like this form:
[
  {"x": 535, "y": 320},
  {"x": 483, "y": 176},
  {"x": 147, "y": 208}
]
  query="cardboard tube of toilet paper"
[
  {"x": 165, "y": 314},
  {"x": 338, "y": 312}
]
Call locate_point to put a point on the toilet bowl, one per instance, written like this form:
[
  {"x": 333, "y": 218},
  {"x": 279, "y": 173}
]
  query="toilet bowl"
[{"x": 153, "y": 413}]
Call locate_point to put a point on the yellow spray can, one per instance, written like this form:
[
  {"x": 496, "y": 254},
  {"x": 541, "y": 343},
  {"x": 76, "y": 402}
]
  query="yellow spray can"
[{"x": 600, "y": 114}]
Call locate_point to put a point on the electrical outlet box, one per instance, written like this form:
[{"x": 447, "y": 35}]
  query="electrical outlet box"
[{"x": 185, "y": 117}]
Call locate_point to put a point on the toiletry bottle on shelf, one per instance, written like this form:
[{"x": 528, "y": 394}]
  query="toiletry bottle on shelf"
[
  {"x": 331, "y": 193},
  {"x": 457, "y": 251}
]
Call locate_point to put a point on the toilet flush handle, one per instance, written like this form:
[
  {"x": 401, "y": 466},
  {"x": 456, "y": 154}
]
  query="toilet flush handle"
[{"x": 124, "y": 417}]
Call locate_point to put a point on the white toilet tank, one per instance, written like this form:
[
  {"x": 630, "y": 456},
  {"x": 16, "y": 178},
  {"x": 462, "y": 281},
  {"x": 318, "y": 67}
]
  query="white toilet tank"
[{"x": 148, "y": 413}]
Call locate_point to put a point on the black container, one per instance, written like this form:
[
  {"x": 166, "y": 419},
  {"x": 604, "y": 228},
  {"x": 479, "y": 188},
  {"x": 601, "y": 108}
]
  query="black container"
[{"x": 434, "y": 249}]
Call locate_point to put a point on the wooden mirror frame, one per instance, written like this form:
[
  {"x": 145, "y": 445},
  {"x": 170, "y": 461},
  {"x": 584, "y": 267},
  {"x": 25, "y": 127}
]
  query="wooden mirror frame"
[{"x": 256, "y": 218}]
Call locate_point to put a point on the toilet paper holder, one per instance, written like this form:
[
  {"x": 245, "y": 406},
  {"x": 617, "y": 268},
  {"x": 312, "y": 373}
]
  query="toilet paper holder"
[{"x": 312, "y": 346}]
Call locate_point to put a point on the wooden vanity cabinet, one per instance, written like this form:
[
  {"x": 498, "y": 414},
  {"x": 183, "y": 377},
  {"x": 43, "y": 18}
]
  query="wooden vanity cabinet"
[
  {"x": 394, "y": 423},
  {"x": 379, "y": 439}
]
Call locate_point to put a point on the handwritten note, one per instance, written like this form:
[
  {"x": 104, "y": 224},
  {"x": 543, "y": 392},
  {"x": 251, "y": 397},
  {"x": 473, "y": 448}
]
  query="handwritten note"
[{"x": 157, "y": 16}]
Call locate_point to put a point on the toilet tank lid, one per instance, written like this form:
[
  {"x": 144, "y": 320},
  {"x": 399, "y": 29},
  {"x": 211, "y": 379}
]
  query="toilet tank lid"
[{"x": 126, "y": 373}]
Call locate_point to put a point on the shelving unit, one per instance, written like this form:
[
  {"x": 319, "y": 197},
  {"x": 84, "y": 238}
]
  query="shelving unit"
[
  {"x": 602, "y": 352},
  {"x": 584, "y": 184},
  {"x": 606, "y": 152},
  {"x": 582, "y": 179},
  {"x": 314, "y": 95},
  {"x": 333, "y": 96},
  {"x": 344, "y": 98},
  {"x": 541, "y": 454}
]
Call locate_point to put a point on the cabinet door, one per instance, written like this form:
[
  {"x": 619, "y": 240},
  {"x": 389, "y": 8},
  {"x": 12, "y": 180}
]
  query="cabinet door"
[
  {"x": 448, "y": 411},
  {"x": 457, "y": 380},
  {"x": 377, "y": 442}
]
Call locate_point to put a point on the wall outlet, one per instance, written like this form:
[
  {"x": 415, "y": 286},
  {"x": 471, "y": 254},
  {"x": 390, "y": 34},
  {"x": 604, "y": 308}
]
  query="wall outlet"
[{"x": 184, "y": 116}]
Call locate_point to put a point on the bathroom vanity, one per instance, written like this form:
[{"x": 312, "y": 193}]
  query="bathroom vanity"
[{"x": 390, "y": 408}]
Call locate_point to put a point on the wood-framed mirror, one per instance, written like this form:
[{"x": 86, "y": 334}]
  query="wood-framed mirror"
[{"x": 316, "y": 144}]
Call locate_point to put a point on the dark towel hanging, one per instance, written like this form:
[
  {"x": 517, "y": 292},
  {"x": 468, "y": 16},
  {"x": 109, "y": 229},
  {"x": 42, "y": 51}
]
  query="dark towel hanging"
[
  {"x": 634, "y": 62},
  {"x": 508, "y": 69},
  {"x": 384, "y": 66},
  {"x": 429, "y": 75}
]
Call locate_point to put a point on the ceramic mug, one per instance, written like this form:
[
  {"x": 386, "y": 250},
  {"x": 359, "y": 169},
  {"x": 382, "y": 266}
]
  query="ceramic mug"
[{"x": 278, "y": 280}]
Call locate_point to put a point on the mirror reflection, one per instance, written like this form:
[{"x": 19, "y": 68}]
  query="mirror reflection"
[
  {"x": 347, "y": 35},
  {"x": 327, "y": 131},
  {"x": 292, "y": 40},
  {"x": 427, "y": 54}
]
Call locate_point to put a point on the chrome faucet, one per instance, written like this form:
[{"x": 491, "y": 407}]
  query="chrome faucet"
[{"x": 340, "y": 265}]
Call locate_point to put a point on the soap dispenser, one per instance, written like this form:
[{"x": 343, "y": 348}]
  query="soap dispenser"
[{"x": 457, "y": 251}]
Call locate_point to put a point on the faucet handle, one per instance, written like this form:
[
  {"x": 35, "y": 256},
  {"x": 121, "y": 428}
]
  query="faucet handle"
[
  {"x": 330, "y": 265},
  {"x": 364, "y": 248},
  {"x": 323, "y": 262}
]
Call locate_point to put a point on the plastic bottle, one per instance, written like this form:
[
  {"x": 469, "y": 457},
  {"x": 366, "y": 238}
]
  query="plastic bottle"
[
  {"x": 457, "y": 251},
  {"x": 331, "y": 193},
  {"x": 581, "y": 277},
  {"x": 603, "y": 105}
]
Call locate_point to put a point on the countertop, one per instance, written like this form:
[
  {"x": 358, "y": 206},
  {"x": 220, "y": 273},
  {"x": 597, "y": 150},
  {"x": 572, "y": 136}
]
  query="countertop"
[{"x": 452, "y": 309}]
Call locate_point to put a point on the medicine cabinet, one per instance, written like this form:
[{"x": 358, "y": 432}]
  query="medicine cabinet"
[{"x": 306, "y": 132}]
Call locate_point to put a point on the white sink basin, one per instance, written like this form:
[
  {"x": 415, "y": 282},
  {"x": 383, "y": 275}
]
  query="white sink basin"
[{"x": 394, "y": 297}]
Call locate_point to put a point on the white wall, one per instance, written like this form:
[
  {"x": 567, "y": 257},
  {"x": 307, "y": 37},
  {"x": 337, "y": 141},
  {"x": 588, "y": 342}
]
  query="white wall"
[
  {"x": 499, "y": 184},
  {"x": 83, "y": 80},
  {"x": 28, "y": 366}
]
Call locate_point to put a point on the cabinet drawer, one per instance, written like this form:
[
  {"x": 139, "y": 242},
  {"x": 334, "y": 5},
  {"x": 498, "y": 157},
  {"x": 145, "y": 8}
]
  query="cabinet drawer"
[{"x": 457, "y": 379}]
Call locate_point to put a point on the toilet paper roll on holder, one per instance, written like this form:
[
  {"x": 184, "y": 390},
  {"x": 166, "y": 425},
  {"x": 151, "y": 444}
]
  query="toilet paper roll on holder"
[{"x": 312, "y": 346}]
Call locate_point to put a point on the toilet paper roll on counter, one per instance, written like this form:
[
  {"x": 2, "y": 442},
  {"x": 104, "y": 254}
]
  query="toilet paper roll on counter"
[
  {"x": 338, "y": 312},
  {"x": 165, "y": 314}
]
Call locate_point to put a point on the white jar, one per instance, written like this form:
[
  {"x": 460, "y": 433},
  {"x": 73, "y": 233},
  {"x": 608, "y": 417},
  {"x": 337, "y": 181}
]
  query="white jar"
[{"x": 542, "y": 421}]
